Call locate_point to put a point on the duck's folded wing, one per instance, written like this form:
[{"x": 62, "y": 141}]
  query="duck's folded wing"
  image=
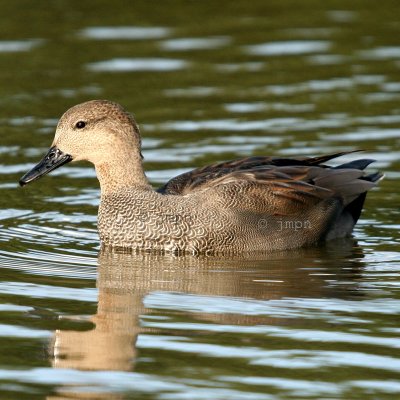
[
  {"x": 278, "y": 191},
  {"x": 292, "y": 189},
  {"x": 192, "y": 180}
]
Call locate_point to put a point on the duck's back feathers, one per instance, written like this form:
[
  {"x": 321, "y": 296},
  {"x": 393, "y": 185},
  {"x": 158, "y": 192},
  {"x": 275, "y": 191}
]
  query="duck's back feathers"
[
  {"x": 190, "y": 180},
  {"x": 310, "y": 170}
]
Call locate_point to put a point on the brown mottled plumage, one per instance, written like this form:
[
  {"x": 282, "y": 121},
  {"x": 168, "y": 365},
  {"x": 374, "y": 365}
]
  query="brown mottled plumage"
[{"x": 251, "y": 204}]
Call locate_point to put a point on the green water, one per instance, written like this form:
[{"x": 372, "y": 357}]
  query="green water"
[{"x": 207, "y": 81}]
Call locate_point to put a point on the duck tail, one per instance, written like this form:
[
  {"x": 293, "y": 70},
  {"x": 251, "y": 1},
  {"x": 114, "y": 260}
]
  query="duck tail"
[{"x": 355, "y": 207}]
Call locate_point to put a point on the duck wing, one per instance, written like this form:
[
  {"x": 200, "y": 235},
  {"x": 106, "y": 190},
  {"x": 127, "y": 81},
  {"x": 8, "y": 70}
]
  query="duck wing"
[
  {"x": 204, "y": 176},
  {"x": 289, "y": 190}
]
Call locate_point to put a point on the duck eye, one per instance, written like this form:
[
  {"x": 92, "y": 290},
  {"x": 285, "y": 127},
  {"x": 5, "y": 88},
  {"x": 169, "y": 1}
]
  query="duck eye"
[{"x": 80, "y": 124}]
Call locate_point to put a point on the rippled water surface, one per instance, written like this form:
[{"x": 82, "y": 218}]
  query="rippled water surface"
[{"x": 207, "y": 81}]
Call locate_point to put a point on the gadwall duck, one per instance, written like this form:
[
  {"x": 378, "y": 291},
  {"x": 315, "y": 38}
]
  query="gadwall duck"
[{"x": 250, "y": 204}]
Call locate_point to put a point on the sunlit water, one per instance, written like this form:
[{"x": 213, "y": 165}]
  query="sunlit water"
[{"x": 207, "y": 81}]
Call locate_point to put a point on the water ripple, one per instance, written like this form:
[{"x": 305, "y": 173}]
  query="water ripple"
[
  {"x": 11, "y": 46},
  {"x": 381, "y": 53},
  {"x": 285, "y": 308},
  {"x": 275, "y": 358},
  {"x": 137, "y": 64},
  {"x": 189, "y": 44},
  {"x": 275, "y": 124},
  {"x": 294, "y": 47},
  {"x": 44, "y": 263},
  {"x": 125, "y": 32},
  {"x": 47, "y": 291},
  {"x": 22, "y": 332}
]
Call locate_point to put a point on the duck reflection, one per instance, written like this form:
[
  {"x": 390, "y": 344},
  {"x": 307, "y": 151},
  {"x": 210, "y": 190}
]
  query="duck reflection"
[{"x": 124, "y": 281}]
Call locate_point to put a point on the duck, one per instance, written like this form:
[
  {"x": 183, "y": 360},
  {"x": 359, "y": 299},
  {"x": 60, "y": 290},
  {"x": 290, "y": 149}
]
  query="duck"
[{"x": 252, "y": 204}]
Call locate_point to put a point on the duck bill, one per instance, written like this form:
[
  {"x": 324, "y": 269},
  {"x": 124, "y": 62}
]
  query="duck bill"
[{"x": 52, "y": 160}]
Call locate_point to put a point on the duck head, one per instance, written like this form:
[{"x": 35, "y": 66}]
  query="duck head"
[{"x": 99, "y": 131}]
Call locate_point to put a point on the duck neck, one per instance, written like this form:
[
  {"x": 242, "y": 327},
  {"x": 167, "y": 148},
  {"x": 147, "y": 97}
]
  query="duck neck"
[{"x": 125, "y": 172}]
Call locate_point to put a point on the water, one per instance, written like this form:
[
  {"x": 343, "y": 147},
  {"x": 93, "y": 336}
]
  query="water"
[{"x": 207, "y": 81}]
